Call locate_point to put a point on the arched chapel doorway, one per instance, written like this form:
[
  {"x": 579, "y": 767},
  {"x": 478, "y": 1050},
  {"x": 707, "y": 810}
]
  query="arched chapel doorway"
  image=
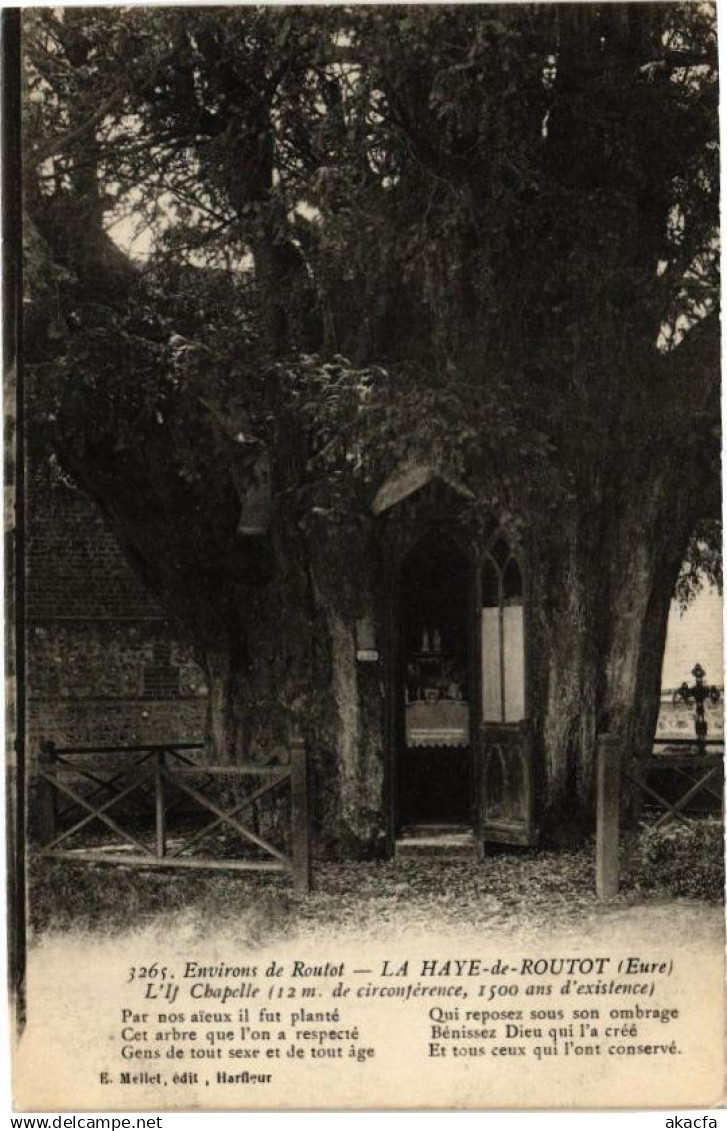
[
  {"x": 460, "y": 738},
  {"x": 459, "y": 757},
  {"x": 434, "y": 762}
]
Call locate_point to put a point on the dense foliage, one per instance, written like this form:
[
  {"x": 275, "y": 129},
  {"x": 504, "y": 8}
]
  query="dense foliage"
[{"x": 511, "y": 208}]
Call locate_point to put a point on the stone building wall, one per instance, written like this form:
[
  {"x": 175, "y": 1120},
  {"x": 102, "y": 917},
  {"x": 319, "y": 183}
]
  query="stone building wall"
[{"x": 103, "y": 664}]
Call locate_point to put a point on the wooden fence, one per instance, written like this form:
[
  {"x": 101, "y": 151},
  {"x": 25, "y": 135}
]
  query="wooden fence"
[
  {"x": 694, "y": 773},
  {"x": 132, "y": 791}
]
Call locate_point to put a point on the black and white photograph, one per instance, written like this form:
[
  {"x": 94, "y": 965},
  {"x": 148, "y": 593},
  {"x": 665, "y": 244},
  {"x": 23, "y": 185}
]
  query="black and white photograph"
[{"x": 363, "y": 556}]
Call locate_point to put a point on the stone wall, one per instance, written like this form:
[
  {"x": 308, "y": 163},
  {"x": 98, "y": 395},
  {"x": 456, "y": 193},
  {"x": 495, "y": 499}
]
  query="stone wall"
[{"x": 676, "y": 720}]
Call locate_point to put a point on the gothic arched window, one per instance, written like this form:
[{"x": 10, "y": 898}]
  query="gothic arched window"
[{"x": 503, "y": 635}]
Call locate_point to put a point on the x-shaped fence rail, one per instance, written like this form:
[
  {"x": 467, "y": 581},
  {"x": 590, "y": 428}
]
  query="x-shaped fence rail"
[
  {"x": 152, "y": 776},
  {"x": 692, "y": 772}
]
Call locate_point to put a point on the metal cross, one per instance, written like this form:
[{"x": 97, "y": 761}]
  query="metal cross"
[{"x": 699, "y": 694}]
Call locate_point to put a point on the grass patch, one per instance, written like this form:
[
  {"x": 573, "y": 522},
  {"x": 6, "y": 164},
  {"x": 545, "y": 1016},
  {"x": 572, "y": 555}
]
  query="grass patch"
[{"x": 679, "y": 860}]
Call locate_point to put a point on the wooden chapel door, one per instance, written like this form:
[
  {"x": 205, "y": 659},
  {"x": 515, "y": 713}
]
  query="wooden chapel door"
[{"x": 505, "y": 756}]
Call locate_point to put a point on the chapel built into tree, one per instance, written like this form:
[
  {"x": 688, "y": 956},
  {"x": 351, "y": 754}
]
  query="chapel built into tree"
[{"x": 406, "y": 415}]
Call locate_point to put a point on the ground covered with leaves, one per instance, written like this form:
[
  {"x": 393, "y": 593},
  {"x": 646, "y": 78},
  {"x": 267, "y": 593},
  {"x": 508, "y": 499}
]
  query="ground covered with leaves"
[{"x": 532, "y": 891}]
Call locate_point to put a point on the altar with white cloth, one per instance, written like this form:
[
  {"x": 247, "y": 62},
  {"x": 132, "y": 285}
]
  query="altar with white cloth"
[{"x": 442, "y": 722}]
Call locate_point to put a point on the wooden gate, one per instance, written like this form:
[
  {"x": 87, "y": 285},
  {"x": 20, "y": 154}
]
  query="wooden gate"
[{"x": 132, "y": 792}]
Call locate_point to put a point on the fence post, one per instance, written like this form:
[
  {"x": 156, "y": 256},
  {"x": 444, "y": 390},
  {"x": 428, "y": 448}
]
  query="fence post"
[
  {"x": 161, "y": 827},
  {"x": 608, "y": 781},
  {"x": 46, "y": 795},
  {"x": 300, "y": 815}
]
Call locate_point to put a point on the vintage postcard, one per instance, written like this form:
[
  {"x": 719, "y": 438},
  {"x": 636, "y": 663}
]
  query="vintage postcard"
[{"x": 362, "y": 401}]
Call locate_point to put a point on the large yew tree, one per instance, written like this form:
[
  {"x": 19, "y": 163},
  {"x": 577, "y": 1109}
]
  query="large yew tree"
[{"x": 483, "y": 238}]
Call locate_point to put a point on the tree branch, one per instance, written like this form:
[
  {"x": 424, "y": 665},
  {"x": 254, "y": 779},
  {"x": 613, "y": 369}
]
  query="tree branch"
[
  {"x": 697, "y": 360},
  {"x": 64, "y": 141}
]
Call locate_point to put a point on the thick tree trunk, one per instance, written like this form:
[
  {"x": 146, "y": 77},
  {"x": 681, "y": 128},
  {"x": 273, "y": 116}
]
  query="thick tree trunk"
[
  {"x": 289, "y": 669},
  {"x": 604, "y": 632},
  {"x": 649, "y": 545},
  {"x": 565, "y": 675},
  {"x": 224, "y": 735}
]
